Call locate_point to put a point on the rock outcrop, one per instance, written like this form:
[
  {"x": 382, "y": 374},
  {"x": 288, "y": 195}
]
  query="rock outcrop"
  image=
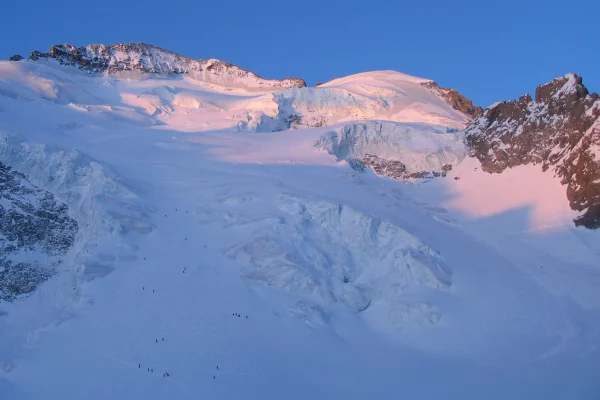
[
  {"x": 145, "y": 58},
  {"x": 16, "y": 57},
  {"x": 395, "y": 169},
  {"x": 559, "y": 129},
  {"x": 456, "y": 100},
  {"x": 35, "y": 230}
]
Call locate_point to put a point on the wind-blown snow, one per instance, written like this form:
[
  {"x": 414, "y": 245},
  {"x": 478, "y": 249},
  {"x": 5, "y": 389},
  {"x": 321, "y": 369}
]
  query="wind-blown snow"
[{"x": 253, "y": 264}]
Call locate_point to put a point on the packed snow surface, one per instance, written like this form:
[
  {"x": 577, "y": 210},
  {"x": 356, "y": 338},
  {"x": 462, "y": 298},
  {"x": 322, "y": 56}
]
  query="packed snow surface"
[{"x": 215, "y": 261}]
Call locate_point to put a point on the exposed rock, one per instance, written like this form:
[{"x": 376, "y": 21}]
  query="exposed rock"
[
  {"x": 395, "y": 169},
  {"x": 298, "y": 82},
  {"x": 16, "y": 57},
  {"x": 338, "y": 254},
  {"x": 391, "y": 168},
  {"x": 560, "y": 130},
  {"x": 34, "y": 231},
  {"x": 591, "y": 218},
  {"x": 146, "y": 58},
  {"x": 456, "y": 100}
]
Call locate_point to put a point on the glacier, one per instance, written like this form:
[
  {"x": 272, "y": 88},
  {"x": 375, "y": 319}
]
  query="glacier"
[{"x": 226, "y": 240}]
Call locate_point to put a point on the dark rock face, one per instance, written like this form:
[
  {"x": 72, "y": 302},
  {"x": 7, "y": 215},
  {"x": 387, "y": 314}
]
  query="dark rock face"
[
  {"x": 289, "y": 120},
  {"x": 383, "y": 167},
  {"x": 33, "y": 226},
  {"x": 16, "y": 57},
  {"x": 146, "y": 58},
  {"x": 296, "y": 120},
  {"x": 456, "y": 100},
  {"x": 560, "y": 130},
  {"x": 394, "y": 169}
]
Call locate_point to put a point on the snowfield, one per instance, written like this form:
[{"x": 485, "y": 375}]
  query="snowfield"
[{"x": 231, "y": 246}]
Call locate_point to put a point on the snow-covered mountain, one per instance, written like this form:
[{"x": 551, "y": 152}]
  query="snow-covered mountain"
[
  {"x": 196, "y": 231},
  {"x": 191, "y": 96}
]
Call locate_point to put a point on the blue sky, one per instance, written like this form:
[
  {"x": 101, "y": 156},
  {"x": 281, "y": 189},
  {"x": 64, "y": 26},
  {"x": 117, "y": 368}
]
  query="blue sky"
[{"x": 488, "y": 50}]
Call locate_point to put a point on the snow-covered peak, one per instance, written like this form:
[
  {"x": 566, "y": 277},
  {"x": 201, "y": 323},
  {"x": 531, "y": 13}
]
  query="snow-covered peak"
[
  {"x": 389, "y": 76},
  {"x": 146, "y": 58},
  {"x": 570, "y": 85},
  {"x": 572, "y": 81},
  {"x": 410, "y": 98}
]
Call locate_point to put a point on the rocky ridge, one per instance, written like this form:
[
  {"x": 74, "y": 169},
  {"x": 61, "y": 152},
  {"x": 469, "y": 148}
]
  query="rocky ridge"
[
  {"x": 145, "y": 58},
  {"x": 559, "y": 129}
]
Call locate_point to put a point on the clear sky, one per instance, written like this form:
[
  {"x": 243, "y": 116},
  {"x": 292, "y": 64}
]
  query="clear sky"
[{"x": 487, "y": 50}]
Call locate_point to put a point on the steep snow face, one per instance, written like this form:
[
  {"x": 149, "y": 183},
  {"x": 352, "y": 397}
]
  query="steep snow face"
[
  {"x": 146, "y": 58},
  {"x": 413, "y": 149}
]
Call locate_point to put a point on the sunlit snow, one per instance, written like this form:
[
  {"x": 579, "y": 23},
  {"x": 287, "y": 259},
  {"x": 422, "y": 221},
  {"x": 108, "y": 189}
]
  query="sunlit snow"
[{"x": 252, "y": 264}]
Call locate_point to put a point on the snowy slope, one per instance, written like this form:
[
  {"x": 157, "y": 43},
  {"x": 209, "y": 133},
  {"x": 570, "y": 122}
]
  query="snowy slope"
[
  {"x": 260, "y": 265},
  {"x": 256, "y": 104},
  {"x": 187, "y": 104}
]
